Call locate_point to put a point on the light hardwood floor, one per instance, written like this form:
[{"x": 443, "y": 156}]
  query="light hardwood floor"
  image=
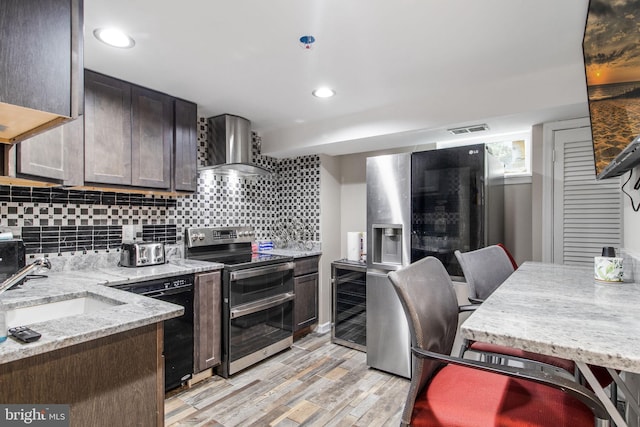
[{"x": 315, "y": 383}]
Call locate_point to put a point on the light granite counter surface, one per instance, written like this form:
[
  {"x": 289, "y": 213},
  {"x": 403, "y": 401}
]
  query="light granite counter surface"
[
  {"x": 562, "y": 311},
  {"x": 85, "y": 277},
  {"x": 295, "y": 253}
]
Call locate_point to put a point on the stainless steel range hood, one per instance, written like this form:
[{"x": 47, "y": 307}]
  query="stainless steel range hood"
[{"x": 229, "y": 147}]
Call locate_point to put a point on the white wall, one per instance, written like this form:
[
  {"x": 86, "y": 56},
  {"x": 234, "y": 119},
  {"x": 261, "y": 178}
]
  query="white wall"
[
  {"x": 330, "y": 233},
  {"x": 353, "y": 197}
]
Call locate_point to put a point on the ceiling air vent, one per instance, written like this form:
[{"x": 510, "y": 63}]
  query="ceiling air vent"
[{"x": 468, "y": 129}]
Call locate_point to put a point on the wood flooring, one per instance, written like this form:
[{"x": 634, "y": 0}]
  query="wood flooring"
[{"x": 315, "y": 383}]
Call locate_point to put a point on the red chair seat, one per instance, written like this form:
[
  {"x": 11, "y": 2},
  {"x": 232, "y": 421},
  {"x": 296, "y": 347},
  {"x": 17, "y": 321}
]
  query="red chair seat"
[{"x": 464, "y": 397}]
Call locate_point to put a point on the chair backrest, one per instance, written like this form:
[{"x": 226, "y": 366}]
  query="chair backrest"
[
  {"x": 485, "y": 269},
  {"x": 429, "y": 302}
]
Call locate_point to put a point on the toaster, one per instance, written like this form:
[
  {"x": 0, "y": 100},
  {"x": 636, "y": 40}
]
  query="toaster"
[{"x": 138, "y": 254}]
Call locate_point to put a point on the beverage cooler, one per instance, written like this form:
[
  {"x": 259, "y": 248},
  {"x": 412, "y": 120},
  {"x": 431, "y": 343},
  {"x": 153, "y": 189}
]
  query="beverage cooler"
[
  {"x": 427, "y": 203},
  {"x": 457, "y": 203},
  {"x": 349, "y": 283}
]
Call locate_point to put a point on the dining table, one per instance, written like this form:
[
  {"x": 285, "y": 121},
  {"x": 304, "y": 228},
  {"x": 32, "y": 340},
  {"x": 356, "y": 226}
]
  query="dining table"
[{"x": 562, "y": 310}]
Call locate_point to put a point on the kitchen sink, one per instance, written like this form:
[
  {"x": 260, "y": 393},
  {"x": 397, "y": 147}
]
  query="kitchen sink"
[{"x": 72, "y": 306}]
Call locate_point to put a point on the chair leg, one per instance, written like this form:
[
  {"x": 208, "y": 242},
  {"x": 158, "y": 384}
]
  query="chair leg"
[
  {"x": 602, "y": 423},
  {"x": 464, "y": 347}
]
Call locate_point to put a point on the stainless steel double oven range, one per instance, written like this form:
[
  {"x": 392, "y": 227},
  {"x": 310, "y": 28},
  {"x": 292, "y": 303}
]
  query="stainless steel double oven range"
[{"x": 257, "y": 295}]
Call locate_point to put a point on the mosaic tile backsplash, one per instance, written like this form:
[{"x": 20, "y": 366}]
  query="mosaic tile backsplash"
[{"x": 283, "y": 206}]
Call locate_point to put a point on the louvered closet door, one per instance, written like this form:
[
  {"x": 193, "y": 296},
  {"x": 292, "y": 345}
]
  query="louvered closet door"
[{"x": 587, "y": 213}]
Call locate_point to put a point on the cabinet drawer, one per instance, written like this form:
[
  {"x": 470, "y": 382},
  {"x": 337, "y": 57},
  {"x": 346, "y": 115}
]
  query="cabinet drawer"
[{"x": 306, "y": 265}]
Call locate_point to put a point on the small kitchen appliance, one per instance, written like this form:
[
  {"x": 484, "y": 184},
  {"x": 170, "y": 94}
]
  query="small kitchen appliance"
[
  {"x": 12, "y": 257},
  {"x": 138, "y": 254}
]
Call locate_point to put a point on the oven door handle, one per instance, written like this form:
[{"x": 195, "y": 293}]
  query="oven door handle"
[
  {"x": 254, "y": 307},
  {"x": 258, "y": 271}
]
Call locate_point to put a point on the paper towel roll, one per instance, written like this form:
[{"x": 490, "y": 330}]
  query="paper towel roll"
[
  {"x": 363, "y": 249},
  {"x": 353, "y": 245}
]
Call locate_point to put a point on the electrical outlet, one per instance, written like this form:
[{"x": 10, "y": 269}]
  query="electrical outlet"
[{"x": 128, "y": 233}]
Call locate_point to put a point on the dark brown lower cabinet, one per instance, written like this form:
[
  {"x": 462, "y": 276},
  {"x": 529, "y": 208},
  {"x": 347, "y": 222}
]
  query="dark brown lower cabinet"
[
  {"x": 207, "y": 318},
  {"x": 305, "y": 284},
  {"x": 112, "y": 381}
]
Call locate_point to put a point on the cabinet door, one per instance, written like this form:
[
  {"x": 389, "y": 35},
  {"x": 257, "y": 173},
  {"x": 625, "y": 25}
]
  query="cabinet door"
[
  {"x": 207, "y": 315},
  {"x": 40, "y": 65},
  {"x": 151, "y": 138},
  {"x": 55, "y": 154},
  {"x": 186, "y": 146},
  {"x": 107, "y": 133},
  {"x": 306, "y": 303}
]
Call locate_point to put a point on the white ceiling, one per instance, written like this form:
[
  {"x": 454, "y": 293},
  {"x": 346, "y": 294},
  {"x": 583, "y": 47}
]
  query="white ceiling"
[{"x": 403, "y": 70}]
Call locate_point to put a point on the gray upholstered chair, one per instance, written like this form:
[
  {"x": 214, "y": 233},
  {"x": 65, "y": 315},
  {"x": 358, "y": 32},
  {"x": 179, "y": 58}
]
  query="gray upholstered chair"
[
  {"x": 484, "y": 270},
  {"x": 447, "y": 391}
]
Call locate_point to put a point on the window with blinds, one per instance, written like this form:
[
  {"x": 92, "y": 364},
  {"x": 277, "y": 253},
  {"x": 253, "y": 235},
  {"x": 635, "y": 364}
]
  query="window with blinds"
[{"x": 587, "y": 213}]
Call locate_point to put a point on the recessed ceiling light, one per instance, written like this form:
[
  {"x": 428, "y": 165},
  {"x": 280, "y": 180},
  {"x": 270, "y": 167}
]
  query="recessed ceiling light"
[
  {"x": 114, "y": 37},
  {"x": 323, "y": 92}
]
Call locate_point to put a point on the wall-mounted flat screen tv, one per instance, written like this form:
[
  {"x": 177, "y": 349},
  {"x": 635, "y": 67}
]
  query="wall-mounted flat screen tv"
[{"x": 611, "y": 49}]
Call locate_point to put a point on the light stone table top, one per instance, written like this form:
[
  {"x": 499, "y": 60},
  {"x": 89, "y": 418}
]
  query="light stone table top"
[
  {"x": 86, "y": 276},
  {"x": 562, "y": 311}
]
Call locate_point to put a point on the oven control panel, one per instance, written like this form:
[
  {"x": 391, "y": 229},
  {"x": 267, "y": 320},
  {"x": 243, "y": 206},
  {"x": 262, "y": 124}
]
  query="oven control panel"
[{"x": 208, "y": 236}]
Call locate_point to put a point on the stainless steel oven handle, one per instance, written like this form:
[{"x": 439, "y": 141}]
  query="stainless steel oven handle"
[
  {"x": 254, "y": 307},
  {"x": 258, "y": 271}
]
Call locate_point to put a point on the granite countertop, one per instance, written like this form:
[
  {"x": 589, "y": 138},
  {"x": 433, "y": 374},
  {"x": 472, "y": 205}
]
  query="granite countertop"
[
  {"x": 110, "y": 274},
  {"x": 86, "y": 277},
  {"x": 295, "y": 253}
]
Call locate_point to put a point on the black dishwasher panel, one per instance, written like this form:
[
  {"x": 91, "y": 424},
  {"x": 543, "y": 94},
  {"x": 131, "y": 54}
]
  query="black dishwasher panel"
[{"x": 178, "y": 332}]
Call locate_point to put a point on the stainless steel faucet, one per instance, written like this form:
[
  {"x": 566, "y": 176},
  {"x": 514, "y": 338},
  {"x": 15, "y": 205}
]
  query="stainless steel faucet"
[{"x": 23, "y": 272}]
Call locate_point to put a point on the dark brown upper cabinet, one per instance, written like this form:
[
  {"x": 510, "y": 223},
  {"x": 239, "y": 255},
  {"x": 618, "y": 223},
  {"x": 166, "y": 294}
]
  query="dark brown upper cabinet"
[
  {"x": 130, "y": 139},
  {"x": 41, "y": 66},
  {"x": 53, "y": 157},
  {"x": 186, "y": 146},
  {"x": 107, "y": 130},
  {"x": 128, "y": 134},
  {"x": 151, "y": 138}
]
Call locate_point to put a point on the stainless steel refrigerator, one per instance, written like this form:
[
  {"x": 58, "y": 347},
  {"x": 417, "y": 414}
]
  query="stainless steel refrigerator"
[
  {"x": 426, "y": 203},
  {"x": 388, "y": 248}
]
